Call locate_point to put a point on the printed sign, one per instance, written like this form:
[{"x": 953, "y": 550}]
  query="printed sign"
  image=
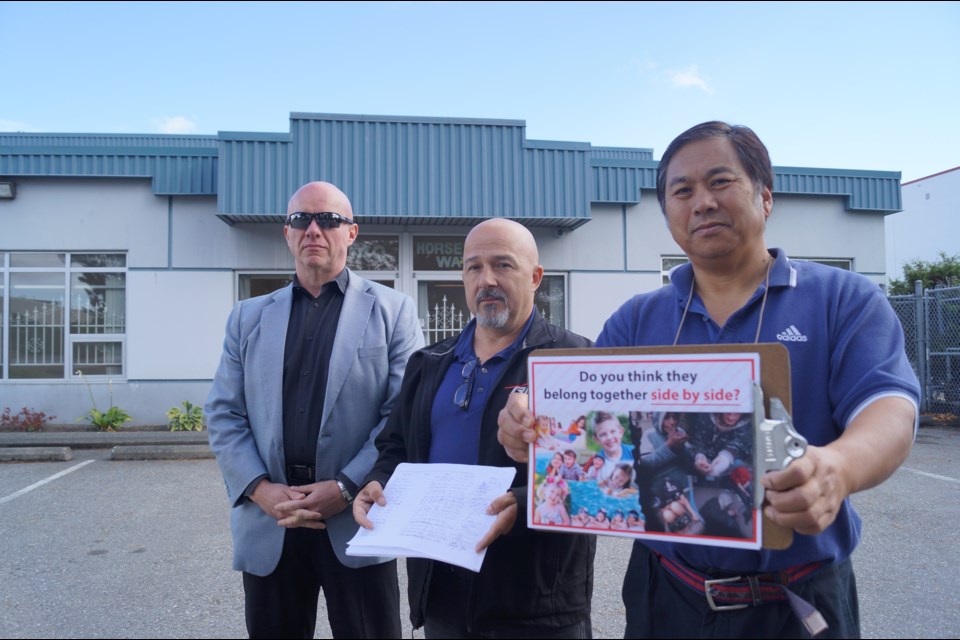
[{"x": 653, "y": 446}]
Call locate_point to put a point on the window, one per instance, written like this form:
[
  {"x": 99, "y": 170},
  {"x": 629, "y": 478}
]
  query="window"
[
  {"x": 667, "y": 264},
  {"x": 443, "y": 305},
  {"x": 251, "y": 285},
  {"x": 438, "y": 253},
  {"x": 374, "y": 253},
  {"x": 435, "y": 280},
  {"x": 62, "y": 313},
  {"x": 840, "y": 263},
  {"x": 375, "y": 258},
  {"x": 551, "y": 299}
]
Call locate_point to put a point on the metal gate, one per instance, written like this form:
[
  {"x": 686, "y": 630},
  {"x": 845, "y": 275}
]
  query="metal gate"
[{"x": 931, "y": 327}]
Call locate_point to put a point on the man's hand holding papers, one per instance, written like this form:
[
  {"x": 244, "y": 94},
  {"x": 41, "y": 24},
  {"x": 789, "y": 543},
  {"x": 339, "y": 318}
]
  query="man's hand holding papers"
[{"x": 436, "y": 511}]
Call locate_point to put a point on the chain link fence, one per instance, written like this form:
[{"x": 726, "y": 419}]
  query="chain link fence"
[{"x": 931, "y": 328}]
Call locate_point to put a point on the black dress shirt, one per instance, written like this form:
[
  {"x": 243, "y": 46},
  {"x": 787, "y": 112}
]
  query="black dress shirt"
[{"x": 310, "y": 335}]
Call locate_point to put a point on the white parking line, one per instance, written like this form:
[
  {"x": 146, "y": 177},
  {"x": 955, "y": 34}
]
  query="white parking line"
[
  {"x": 17, "y": 494},
  {"x": 931, "y": 475}
]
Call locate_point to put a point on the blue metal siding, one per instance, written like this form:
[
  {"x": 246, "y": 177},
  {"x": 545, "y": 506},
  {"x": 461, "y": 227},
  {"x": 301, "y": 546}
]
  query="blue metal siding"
[
  {"x": 865, "y": 190},
  {"x": 61, "y": 140},
  {"x": 397, "y": 169},
  {"x": 621, "y": 153},
  {"x": 402, "y": 168},
  {"x": 178, "y": 165},
  {"x": 619, "y": 181},
  {"x": 254, "y": 175}
]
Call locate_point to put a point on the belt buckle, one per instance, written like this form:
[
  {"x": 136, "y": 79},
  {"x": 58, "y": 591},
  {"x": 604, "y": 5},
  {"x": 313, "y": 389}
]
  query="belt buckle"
[
  {"x": 300, "y": 473},
  {"x": 708, "y": 586}
]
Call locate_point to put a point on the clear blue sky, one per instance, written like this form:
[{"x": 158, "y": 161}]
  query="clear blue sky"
[{"x": 865, "y": 85}]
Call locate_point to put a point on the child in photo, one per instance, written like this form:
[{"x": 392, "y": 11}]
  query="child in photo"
[
  {"x": 618, "y": 521},
  {"x": 592, "y": 467},
  {"x": 555, "y": 464},
  {"x": 600, "y": 521},
  {"x": 570, "y": 470},
  {"x": 553, "y": 481},
  {"x": 675, "y": 511},
  {"x": 553, "y": 475},
  {"x": 719, "y": 441},
  {"x": 546, "y": 429},
  {"x": 552, "y": 510},
  {"x": 608, "y": 432},
  {"x": 635, "y": 522},
  {"x": 619, "y": 484},
  {"x": 582, "y": 518},
  {"x": 577, "y": 428}
]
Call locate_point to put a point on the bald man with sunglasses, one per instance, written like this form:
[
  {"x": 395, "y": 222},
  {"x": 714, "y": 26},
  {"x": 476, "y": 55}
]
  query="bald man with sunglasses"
[{"x": 308, "y": 376}]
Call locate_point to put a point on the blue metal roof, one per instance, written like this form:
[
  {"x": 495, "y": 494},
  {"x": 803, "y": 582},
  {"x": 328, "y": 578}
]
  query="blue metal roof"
[
  {"x": 438, "y": 170},
  {"x": 397, "y": 169},
  {"x": 178, "y": 165},
  {"x": 620, "y": 181},
  {"x": 877, "y": 191}
]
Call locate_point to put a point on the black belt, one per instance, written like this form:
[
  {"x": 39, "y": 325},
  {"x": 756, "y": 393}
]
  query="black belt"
[
  {"x": 741, "y": 591},
  {"x": 300, "y": 474}
]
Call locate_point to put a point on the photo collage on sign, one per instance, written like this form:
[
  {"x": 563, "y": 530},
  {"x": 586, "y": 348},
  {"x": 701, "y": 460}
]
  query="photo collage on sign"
[{"x": 668, "y": 473}]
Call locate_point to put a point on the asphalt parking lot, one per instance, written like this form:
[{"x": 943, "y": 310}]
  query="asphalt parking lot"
[{"x": 98, "y": 548}]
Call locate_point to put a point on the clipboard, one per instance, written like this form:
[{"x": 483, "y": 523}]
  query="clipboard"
[{"x": 775, "y": 383}]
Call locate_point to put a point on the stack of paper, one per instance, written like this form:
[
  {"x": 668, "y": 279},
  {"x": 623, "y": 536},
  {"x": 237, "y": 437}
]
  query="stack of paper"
[{"x": 436, "y": 511}]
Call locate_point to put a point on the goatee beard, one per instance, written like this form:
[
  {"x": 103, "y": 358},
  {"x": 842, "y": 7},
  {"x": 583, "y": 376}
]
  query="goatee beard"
[{"x": 486, "y": 316}]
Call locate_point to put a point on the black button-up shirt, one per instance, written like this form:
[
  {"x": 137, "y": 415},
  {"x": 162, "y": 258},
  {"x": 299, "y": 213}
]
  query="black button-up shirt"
[{"x": 306, "y": 359}]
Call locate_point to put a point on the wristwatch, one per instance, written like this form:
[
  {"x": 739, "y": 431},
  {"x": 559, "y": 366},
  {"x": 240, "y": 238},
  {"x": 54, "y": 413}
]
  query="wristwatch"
[{"x": 343, "y": 491}]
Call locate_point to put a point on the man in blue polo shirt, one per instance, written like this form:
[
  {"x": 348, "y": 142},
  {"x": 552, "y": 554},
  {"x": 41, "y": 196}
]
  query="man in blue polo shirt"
[
  {"x": 532, "y": 584},
  {"x": 854, "y": 399}
]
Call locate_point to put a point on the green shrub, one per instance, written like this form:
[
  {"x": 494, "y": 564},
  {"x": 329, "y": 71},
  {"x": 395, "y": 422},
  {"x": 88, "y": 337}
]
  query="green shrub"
[
  {"x": 111, "y": 419},
  {"x": 190, "y": 418}
]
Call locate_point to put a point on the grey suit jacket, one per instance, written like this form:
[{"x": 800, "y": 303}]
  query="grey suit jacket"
[{"x": 377, "y": 332}]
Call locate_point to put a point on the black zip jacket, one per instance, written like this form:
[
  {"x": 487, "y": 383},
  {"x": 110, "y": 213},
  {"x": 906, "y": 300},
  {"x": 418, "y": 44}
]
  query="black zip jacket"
[{"x": 528, "y": 578}]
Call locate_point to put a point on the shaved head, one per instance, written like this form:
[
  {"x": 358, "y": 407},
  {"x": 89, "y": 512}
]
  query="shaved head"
[
  {"x": 506, "y": 232},
  {"x": 501, "y": 273},
  {"x": 317, "y": 197}
]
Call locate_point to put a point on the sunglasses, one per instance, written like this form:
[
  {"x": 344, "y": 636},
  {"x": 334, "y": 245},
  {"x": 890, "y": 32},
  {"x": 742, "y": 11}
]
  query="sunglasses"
[
  {"x": 461, "y": 397},
  {"x": 324, "y": 220}
]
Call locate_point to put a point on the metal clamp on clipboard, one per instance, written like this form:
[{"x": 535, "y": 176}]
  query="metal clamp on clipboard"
[{"x": 778, "y": 443}]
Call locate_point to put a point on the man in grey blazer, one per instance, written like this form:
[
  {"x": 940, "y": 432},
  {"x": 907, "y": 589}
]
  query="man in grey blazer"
[{"x": 306, "y": 381}]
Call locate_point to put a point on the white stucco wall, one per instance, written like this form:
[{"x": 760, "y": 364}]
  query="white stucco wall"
[
  {"x": 182, "y": 262},
  {"x": 820, "y": 227},
  {"x": 597, "y": 244},
  {"x": 146, "y": 402},
  {"x": 76, "y": 214},
  {"x": 928, "y": 224},
  {"x": 202, "y": 241},
  {"x": 175, "y": 323},
  {"x": 595, "y": 296},
  {"x": 648, "y": 237}
]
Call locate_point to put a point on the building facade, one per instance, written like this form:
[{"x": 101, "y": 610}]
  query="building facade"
[
  {"x": 929, "y": 223},
  {"x": 121, "y": 255}
]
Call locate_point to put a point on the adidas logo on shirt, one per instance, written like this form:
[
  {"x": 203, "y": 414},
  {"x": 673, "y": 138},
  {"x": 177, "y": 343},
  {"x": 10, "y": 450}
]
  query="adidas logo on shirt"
[{"x": 791, "y": 334}]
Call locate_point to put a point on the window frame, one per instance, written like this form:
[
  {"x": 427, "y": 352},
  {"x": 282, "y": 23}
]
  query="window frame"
[{"x": 67, "y": 270}]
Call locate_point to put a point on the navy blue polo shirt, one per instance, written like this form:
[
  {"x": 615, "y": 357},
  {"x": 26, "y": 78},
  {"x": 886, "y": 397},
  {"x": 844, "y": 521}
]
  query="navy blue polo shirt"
[{"x": 455, "y": 432}]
